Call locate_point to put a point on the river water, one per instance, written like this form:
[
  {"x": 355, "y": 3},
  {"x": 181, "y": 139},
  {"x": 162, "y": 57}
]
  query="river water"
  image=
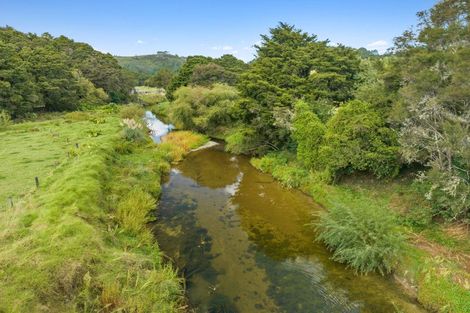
[{"x": 244, "y": 244}]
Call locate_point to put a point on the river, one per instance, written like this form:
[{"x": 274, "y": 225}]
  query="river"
[{"x": 245, "y": 244}]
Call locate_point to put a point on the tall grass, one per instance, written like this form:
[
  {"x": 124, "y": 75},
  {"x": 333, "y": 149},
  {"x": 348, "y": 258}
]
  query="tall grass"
[
  {"x": 133, "y": 210},
  {"x": 79, "y": 243},
  {"x": 365, "y": 237}
]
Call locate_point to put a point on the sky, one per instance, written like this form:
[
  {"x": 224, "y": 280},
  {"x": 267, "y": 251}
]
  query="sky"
[{"x": 211, "y": 28}]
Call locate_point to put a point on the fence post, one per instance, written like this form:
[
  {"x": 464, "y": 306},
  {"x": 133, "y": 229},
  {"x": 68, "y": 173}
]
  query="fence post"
[
  {"x": 36, "y": 179},
  {"x": 11, "y": 201}
]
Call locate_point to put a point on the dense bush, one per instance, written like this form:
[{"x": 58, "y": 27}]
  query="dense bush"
[
  {"x": 269, "y": 162},
  {"x": 242, "y": 140},
  {"x": 204, "y": 109},
  {"x": 55, "y": 74},
  {"x": 132, "y": 111},
  {"x": 357, "y": 139},
  {"x": 364, "y": 237},
  {"x": 308, "y": 132},
  {"x": 133, "y": 131},
  {"x": 290, "y": 176}
]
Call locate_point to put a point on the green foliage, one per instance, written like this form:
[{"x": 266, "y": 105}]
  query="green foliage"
[
  {"x": 160, "y": 79},
  {"x": 447, "y": 195},
  {"x": 290, "y": 177},
  {"x": 77, "y": 116},
  {"x": 206, "y": 71},
  {"x": 364, "y": 237},
  {"x": 204, "y": 109},
  {"x": 133, "y": 210},
  {"x": 145, "y": 66},
  {"x": 438, "y": 293},
  {"x": 434, "y": 64},
  {"x": 356, "y": 139},
  {"x": 308, "y": 132},
  {"x": 73, "y": 255},
  {"x": 183, "y": 76},
  {"x": 293, "y": 65},
  {"x": 241, "y": 140},
  {"x": 5, "y": 119},
  {"x": 55, "y": 74},
  {"x": 211, "y": 73},
  {"x": 132, "y": 111},
  {"x": 269, "y": 162},
  {"x": 134, "y": 135}
]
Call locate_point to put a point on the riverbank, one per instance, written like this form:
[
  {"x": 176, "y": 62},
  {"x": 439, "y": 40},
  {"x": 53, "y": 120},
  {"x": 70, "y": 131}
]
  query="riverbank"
[
  {"x": 78, "y": 241},
  {"x": 434, "y": 266}
]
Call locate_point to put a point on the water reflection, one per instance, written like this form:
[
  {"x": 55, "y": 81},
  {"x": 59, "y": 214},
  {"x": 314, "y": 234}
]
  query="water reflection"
[
  {"x": 157, "y": 128},
  {"x": 245, "y": 246}
]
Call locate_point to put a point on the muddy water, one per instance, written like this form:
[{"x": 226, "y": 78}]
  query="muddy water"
[{"x": 244, "y": 245}]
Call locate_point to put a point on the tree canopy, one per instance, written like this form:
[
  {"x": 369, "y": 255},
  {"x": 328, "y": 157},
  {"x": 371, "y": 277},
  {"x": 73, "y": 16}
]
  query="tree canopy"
[{"x": 55, "y": 74}]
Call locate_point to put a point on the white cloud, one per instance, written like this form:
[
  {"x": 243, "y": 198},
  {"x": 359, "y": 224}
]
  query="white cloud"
[
  {"x": 223, "y": 48},
  {"x": 140, "y": 42},
  {"x": 379, "y": 45}
]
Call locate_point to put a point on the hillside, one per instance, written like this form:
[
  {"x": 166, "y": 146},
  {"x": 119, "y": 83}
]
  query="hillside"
[{"x": 146, "y": 65}]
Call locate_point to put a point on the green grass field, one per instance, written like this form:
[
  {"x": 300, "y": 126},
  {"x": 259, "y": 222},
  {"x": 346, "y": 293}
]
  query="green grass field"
[
  {"x": 35, "y": 149},
  {"x": 79, "y": 242}
]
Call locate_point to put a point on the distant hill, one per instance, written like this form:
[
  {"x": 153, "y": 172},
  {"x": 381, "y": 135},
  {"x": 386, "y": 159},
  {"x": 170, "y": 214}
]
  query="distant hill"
[
  {"x": 146, "y": 65},
  {"x": 364, "y": 53}
]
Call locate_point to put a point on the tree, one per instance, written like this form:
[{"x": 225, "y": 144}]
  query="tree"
[
  {"x": 308, "y": 131},
  {"x": 18, "y": 92},
  {"x": 211, "y": 73},
  {"x": 161, "y": 79},
  {"x": 204, "y": 109},
  {"x": 357, "y": 139},
  {"x": 293, "y": 65},
  {"x": 435, "y": 131},
  {"x": 225, "y": 69},
  {"x": 54, "y": 74},
  {"x": 183, "y": 76}
]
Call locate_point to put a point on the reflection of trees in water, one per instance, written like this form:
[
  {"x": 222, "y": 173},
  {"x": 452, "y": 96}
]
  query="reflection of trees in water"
[
  {"x": 186, "y": 243},
  {"x": 215, "y": 170}
]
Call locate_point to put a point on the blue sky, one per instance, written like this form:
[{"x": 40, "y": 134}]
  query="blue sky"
[{"x": 209, "y": 27}]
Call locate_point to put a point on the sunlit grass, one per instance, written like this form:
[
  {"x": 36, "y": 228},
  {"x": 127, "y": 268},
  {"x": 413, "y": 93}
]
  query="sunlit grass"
[
  {"x": 65, "y": 247},
  {"x": 179, "y": 143},
  {"x": 35, "y": 149}
]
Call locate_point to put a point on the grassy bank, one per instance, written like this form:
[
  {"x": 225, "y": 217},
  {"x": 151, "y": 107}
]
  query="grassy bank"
[
  {"x": 434, "y": 263},
  {"x": 79, "y": 242}
]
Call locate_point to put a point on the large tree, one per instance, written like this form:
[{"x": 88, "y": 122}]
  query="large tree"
[
  {"x": 43, "y": 72},
  {"x": 435, "y": 62},
  {"x": 293, "y": 65}
]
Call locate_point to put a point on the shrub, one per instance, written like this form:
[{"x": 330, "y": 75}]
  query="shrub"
[
  {"x": 241, "y": 140},
  {"x": 269, "y": 162},
  {"x": 5, "y": 118},
  {"x": 134, "y": 135},
  {"x": 132, "y": 111},
  {"x": 151, "y": 99},
  {"x": 133, "y": 131},
  {"x": 366, "y": 238},
  {"x": 447, "y": 194},
  {"x": 357, "y": 139},
  {"x": 133, "y": 210},
  {"x": 290, "y": 176},
  {"x": 308, "y": 132},
  {"x": 203, "y": 109}
]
